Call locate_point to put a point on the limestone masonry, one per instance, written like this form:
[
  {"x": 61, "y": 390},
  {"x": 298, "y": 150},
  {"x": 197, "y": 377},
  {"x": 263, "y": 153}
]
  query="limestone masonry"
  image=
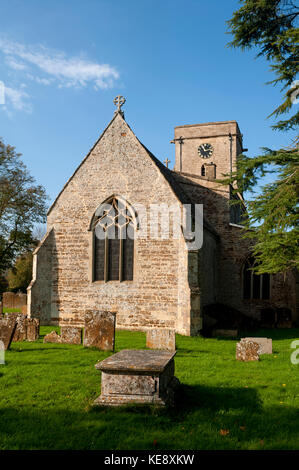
[{"x": 151, "y": 283}]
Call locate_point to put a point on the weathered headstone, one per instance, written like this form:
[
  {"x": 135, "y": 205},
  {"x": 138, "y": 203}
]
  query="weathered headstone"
[
  {"x": 52, "y": 337},
  {"x": 99, "y": 330},
  {"x": 160, "y": 338},
  {"x": 265, "y": 344},
  {"x": 12, "y": 300},
  {"x": 136, "y": 376},
  {"x": 26, "y": 328},
  {"x": 71, "y": 335},
  {"x": 20, "y": 333},
  {"x": 7, "y": 329},
  {"x": 247, "y": 350},
  {"x": 32, "y": 329},
  {"x": 285, "y": 324}
]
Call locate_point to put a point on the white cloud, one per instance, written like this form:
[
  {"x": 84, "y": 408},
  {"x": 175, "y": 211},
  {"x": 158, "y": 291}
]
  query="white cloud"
[
  {"x": 66, "y": 71},
  {"x": 37, "y": 79},
  {"x": 13, "y": 64},
  {"x": 18, "y": 99}
]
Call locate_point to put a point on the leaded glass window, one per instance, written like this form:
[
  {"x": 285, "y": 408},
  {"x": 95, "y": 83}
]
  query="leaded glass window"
[{"x": 114, "y": 227}]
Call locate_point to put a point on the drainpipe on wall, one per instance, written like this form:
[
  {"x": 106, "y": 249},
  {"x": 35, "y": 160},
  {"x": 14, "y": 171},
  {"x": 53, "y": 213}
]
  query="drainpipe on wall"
[{"x": 230, "y": 154}]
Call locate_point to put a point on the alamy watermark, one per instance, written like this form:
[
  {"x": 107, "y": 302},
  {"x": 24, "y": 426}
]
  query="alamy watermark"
[
  {"x": 157, "y": 222},
  {"x": 295, "y": 354}
]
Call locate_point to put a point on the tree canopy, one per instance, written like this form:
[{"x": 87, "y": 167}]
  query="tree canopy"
[
  {"x": 22, "y": 204},
  {"x": 20, "y": 275},
  {"x": 270, "y": 26},
  {"x": 272, "y": 216}
]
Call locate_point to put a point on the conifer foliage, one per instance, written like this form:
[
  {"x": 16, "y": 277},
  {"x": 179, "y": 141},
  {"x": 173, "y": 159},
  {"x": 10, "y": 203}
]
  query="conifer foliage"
[{"x": 271, "y": 27}]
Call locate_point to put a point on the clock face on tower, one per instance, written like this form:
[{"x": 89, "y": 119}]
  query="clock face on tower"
[{"x": 205, "y": 150}]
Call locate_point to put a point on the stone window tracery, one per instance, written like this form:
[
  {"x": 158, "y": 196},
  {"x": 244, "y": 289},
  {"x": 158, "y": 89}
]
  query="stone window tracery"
[{"x": 114, "y": 227}]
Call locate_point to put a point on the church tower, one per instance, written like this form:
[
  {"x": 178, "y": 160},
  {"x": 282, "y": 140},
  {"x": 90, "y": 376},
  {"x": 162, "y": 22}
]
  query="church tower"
[{"x": 207, "y": 150}]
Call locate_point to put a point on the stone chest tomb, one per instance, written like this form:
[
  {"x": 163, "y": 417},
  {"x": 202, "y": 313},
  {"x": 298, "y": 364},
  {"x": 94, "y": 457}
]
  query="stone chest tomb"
[{"x": 137, "y": 376}]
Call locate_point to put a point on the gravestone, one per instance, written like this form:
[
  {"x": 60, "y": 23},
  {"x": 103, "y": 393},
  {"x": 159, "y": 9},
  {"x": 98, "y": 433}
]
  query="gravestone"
[
  {"x": 32, "y": 329},
  {"x": 71, "y": 335},
  {"x": 99, "y": 330},
  {"x": 160, "y": 338},
  {"x": 7, "y": 329},
  {"x": 26, "y": 328},
  {"x": 12, "y": 300},
  {"x": 247, "y": 350},
  {"x": 137, "y": 376},
  {"x": 52, "y": 337},
  {"x": 265, "y": 344},
  {"x": 20, "y": 333}
]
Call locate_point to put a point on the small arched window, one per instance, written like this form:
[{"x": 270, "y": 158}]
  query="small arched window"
[
  {"x": 255, "y": 286},
  {"x": 203, "y": 171},
  {"x": 113, "y": 234}
]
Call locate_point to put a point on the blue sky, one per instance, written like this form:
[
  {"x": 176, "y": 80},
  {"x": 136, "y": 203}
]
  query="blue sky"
[{"x": 63, "y": 62}]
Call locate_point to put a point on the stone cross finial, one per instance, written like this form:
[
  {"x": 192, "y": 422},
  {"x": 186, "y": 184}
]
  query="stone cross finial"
[
  {"x": 119, "y": 101},
  {"x": 166, "y": 162}
]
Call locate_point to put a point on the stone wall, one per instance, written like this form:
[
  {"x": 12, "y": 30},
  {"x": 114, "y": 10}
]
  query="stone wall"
[
  {"x": 231, "y": 254},
  {"x": 215, "y": 133},
  {"x": 40, "y": 289},
  {"x": 232, "y": 250},
  {"x": 170, "y": 283},
  {"x": 117, "y": 165}
]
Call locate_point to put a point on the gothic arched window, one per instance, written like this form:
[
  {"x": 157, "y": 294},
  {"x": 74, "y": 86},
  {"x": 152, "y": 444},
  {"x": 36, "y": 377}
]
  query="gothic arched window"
[
  {"x": 203, "y": 171},
  {"x": 113, "y": 234},
  {"x": 255, "y": 286}
]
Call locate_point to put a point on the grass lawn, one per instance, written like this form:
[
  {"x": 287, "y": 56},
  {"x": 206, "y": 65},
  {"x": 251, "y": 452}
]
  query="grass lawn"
[
  {"x": 11, "y": 310},
  {"x": 47, "y": 391}
]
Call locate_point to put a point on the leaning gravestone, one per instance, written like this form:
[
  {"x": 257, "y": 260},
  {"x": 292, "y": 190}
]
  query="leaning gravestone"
[
  {"x": 99, "y": 330},
  {"x": 247, "y": 350},
  {"x": 71, "y": 335},
  {"x": 160, "y": 338},
  {"x": 265, "y": 344},
  {"x": 20, "y": 333},
  {"x": 7, "y": 329},
  {"x": 26, "y": 328},
  {"x": 137, "y": 376}
]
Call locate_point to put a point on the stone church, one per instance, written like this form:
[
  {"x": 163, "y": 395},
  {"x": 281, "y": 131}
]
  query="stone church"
[{"x": 151, "y": 281}]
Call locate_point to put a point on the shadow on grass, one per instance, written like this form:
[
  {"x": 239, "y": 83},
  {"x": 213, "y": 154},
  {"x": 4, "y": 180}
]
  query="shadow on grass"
[
  {"x": 45, "y": 350},
  {"x": 276, "y": 333},
  {"x": 190, "y": 352},
  {"x": 131, "y": 427},
  {"x": 215, "y": 398}
]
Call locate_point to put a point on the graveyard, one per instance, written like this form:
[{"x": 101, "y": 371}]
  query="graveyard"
[
  {"x": 149, "y": 243},
  {"x": 48, "y": 390}
]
